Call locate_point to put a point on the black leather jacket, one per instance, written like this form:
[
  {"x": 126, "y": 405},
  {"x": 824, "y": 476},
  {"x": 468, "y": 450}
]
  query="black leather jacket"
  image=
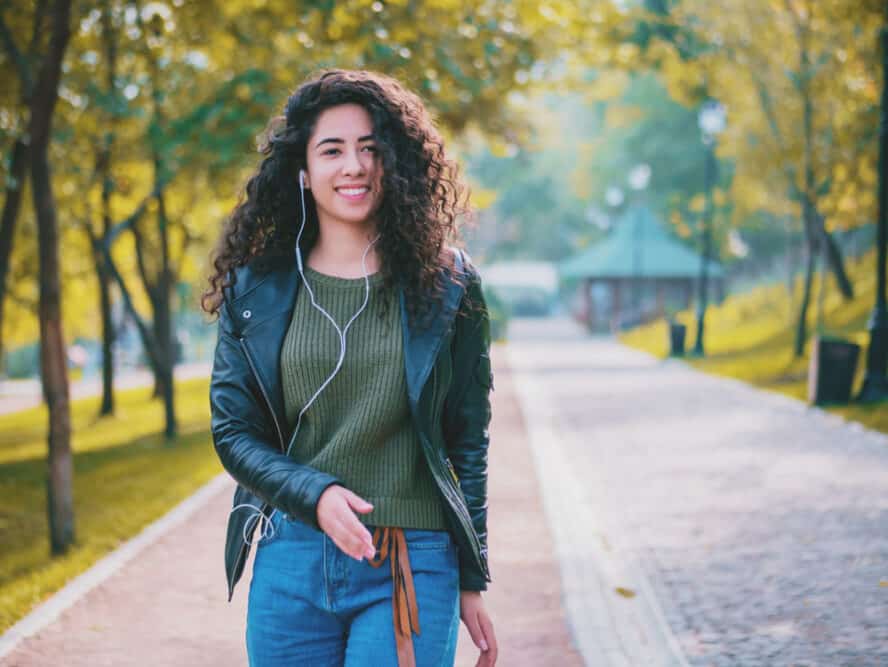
[{"x": 251, "y": 434}]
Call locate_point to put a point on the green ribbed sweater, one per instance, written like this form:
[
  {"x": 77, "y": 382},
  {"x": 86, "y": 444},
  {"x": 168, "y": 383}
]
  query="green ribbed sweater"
[{"x": 359, "y": 429}]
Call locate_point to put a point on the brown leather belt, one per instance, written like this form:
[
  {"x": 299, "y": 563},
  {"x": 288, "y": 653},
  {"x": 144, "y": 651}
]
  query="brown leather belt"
[{"x": 391, "y": 541}]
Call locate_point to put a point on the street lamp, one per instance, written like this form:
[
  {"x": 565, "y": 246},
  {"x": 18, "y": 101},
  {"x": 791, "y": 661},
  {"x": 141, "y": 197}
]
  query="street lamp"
[
  {"x": 639, "y": 177},
  {"x": 875, "y": 381},
  {"x": 613, "y": 196},
  {"x": 712, "y": 120}
]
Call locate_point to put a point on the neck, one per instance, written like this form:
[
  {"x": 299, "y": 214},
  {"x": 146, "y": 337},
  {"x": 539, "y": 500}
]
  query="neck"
[{"x": 340, "y": 247}]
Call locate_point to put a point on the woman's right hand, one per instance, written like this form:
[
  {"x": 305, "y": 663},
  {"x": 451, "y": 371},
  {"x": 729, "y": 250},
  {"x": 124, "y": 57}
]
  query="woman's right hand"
[{"x": 336, "y": 517}]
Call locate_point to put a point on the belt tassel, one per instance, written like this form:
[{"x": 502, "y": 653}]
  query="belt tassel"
[{"x": 405, "y": 613}]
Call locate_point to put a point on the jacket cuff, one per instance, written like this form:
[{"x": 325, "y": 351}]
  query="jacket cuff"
[
  {"x": 470, "y": 580},
  {"x": 308, "y": 509}
]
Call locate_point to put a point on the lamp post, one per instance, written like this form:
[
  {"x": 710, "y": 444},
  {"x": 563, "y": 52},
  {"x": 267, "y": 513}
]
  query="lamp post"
[
  {"x": 712, "y": 120},
  {"x": 875, "y": 381},
  {"x": 639, "y": 177}
]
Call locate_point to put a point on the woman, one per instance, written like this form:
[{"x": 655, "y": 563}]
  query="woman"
[{"x": 350, "y": 387}]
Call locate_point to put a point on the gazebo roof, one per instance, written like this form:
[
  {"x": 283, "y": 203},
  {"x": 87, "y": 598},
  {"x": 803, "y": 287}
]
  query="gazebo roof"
[{"x": 638, "y": 247}]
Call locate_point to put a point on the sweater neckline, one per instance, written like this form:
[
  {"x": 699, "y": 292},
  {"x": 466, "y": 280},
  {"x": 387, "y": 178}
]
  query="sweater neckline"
[{"x": 316, "y": 277}]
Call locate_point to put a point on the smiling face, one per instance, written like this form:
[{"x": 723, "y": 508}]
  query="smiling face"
[{"x": 344, "y": 169}]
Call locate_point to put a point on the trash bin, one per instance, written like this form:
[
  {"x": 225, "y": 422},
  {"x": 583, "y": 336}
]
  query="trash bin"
[
  {"x": 831, "y": 370},
  {"x": 676, "y": 339}
]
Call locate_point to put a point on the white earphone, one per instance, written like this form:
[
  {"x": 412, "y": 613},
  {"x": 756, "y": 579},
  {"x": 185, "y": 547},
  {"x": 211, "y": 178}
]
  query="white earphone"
[{"x": 265, "y": 526}]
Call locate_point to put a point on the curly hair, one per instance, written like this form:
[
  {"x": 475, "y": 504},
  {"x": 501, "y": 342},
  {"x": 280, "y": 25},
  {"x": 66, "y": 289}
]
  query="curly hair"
[{"x": 422, "y": 196}]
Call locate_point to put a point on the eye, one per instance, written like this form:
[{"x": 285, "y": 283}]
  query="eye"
[
  {"x": 331, "y": 151},
  {"x": 370, "y": 149}
]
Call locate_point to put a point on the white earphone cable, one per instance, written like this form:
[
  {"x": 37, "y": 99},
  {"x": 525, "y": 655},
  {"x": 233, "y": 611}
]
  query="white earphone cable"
[{"x": 266, "y": 529}]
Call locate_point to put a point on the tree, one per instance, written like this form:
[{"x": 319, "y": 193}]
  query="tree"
[
  {"x": 810, "y": 153},
  {"x": 875, "y": 381},
  {"x": 166, "y": 99},
  {"x": 18, "y": 69},
  {"x": 52, "y": 343}
]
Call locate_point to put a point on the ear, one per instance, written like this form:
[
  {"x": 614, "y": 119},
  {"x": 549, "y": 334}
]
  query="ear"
[{"x": 306, "y": 182}]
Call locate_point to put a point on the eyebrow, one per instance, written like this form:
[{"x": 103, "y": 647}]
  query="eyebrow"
[{"x": 336, "y": 140}]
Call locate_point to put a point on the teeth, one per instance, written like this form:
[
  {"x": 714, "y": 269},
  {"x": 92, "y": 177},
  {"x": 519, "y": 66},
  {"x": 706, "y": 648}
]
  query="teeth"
[{"x": 353, "y": 191}]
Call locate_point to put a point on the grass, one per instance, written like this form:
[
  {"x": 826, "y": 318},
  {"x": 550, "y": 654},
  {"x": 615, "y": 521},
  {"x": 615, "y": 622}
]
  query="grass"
[
  {"x": 125, "y": 477},
  {"x": 751, "y": 336}
]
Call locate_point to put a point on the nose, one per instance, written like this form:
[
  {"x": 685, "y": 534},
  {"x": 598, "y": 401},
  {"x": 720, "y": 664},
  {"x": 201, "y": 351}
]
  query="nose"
[{"x": 354, "y": 165}]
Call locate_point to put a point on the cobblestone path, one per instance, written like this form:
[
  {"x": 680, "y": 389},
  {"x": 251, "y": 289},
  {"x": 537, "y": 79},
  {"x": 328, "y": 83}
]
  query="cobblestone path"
[{"x": 761, "y": 525}]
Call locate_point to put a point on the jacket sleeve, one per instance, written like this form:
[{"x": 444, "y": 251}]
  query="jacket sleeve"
[
  {"x": 245, "y": 439},
  {"x": 467, "y": 416}
]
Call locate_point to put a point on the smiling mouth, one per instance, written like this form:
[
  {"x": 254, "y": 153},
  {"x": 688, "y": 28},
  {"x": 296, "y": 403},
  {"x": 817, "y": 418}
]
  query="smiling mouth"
[{"x": 353, "y": 192}]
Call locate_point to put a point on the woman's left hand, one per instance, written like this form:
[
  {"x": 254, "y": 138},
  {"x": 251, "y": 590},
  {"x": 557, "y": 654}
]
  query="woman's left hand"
[{"x": 479, "y": 625}]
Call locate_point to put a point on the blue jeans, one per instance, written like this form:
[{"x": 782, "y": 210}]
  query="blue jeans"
[{"x": 310, "y": 604}]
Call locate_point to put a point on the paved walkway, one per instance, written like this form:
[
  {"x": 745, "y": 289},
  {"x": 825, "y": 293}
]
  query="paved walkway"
[
  {"x": 695, "y": 520},
  {"x": 698, "y": 513},
  {"x": 167, "y": 605}
]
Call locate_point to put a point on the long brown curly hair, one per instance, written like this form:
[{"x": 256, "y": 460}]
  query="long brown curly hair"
[{"x": 422, "y": 199}]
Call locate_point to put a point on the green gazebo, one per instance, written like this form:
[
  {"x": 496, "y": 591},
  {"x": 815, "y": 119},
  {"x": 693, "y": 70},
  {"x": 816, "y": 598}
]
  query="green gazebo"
[{"x": 634, "y": 275}]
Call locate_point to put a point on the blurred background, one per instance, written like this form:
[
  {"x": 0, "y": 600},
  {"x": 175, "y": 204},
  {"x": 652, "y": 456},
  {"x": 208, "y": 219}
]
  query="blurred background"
[{"x": 698, "y": 178}]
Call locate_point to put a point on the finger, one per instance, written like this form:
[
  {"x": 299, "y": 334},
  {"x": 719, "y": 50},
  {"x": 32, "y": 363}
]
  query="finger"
[
  {"x": 489, "y": 634},
  {"x": 358, "y": 504},
  {"x": 475, "y": 632},
  {"x": 484, "y": 660},
  {"x": 350, "y": 548},
  {"x": 340, "y": 532},
  {"x": 362, "y": 536},
  {"x": 354, "y": 539}
]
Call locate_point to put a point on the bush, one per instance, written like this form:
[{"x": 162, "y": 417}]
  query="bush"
[
  {"x": 23, "y": 362},
  {"x": 499, "y": 315}
]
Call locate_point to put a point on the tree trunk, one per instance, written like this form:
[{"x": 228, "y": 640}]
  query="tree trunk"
[
  {"x": 812, "y": 238},
  {"x": 820, "y": 318},
  {"x": 790, "y": 257},
  {"x": 18, "y": 170},
  {"x": 832, "y": 255},
  {"x": 812, "y": 249},
  {"x": 109, "y": 334},
  {"x": 147, "y": 331},
  {"x": 706, "y": 250},
  {"x": 54, "y": 374},
  {"x": 162, "y": 324},
  {"x": 163, "y": 318},
  {"x": 158, "y": 327},
  {"x": 103, "y": 277},
  {"x": 875, "y": 380}
]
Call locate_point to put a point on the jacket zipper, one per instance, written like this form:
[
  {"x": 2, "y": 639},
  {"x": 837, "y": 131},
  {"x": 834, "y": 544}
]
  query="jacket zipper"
[
  {"x": 452, "y": 470},
  {"x": 457, "y": 505},
  {"x": 452, "y": 492},
  {"x": 277, "y": 426}
]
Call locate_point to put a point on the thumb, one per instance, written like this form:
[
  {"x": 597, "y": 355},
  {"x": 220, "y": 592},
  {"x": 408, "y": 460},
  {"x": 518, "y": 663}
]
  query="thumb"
[{"x": 358, "y": 504}]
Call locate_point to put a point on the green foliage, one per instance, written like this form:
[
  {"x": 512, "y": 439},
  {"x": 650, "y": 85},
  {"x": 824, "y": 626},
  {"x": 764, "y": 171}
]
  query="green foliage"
[
  {"x": 189, "y": 87},
  {"x": 23, "y": 361},
  {"x": 499, "y": 315},
  {"x": 551, "y": 192}
]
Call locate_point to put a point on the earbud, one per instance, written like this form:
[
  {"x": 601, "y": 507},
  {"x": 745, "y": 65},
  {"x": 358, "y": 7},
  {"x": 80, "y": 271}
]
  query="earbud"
[{"x": 302, "y": 226}]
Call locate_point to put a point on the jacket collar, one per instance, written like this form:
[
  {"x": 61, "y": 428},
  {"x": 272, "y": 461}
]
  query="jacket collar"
[{"x": 262, "y": 308}]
